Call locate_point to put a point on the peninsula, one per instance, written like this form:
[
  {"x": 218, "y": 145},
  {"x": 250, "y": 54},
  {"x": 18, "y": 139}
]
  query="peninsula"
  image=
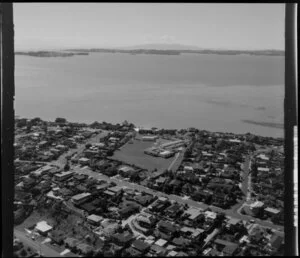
[
  {"x": 50, "y": 53},
  {"x": 82, "y": 51}
]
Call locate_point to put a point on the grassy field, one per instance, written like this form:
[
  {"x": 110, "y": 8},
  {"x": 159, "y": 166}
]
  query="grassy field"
[{"x": 134, "y": 154}]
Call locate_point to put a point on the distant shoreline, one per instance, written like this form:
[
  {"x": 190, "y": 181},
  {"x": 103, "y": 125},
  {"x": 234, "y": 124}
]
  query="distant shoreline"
[
  {"x": 72, "y": 52},
  {"x": 266, "y": 124},
  {"x": 49, "y": 53}
]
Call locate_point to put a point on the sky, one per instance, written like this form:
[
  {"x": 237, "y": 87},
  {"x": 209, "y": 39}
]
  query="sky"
[{"x": 95, "y": 25}]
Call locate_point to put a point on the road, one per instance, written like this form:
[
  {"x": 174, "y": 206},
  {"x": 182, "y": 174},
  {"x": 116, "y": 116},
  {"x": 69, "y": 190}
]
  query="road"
[
  {"x": 174, "y": 161},
  {"x": 245, "y": 174},
  {"x": 61, "y": 161},
  {"x": 45, "y": 250},
  {"x": 173, "y": 197}
]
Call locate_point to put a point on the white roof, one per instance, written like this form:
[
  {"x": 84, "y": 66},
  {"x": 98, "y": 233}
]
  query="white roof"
[
  {"x": 263, "y": 156},
  {"x": 149, "y": 137},
  {"x": 95, "y": 218},
  {"x": 272, "y": 210},
  {"x": 126, "y": 168},
  {"x": 80, "y": 196},
  {"x": 172, "y": 253},
  {"x": 51, "y": 195},
  {"x": 98, "y": 144},
  {"x": 161, "y": 242},
  {"x": 64, "y": 173},
  {"x": 43, "y": 226},
  {"x": 84, "y": 159},
  {"x": 210, "y": 214},
  {"x": 234, "y": 140},
  {"x": 257, "y": 204},
  {"x": 165, "y": 152},
  {"x": 193, "y": 212},
  {"x": 163, "y": 199},
  {"x": 263, "y": 169}
]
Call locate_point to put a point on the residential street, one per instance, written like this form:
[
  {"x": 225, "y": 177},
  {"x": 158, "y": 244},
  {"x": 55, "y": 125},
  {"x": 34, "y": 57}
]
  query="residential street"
[
  {"x": 173, "y": 197},
  {"x": 34, "y": 244},
  {"x": 61, "y": 161}
]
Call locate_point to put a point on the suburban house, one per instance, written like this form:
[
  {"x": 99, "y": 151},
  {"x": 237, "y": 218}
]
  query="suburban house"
[
  {"x": 43, "y": 227},
  {"x": 62, "y": 176},
  {"x": 81, "y": 198}
]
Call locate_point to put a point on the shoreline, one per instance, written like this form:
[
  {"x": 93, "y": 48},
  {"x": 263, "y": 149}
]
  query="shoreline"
[{"x": 87, "y": 123}]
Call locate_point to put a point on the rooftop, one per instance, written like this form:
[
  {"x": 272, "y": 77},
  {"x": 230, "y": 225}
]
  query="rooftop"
[
  {"x": 161, "y": 242},
  {"x": 80, "y": 196},
  {"x": 43, "y": 226}
]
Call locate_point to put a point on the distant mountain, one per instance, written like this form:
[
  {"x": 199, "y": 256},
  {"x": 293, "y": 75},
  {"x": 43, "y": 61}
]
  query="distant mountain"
[{"x": 162, "y": 47}]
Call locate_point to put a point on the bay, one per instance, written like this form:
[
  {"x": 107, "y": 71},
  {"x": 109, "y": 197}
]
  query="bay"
[{"x": 211, "y": 92}]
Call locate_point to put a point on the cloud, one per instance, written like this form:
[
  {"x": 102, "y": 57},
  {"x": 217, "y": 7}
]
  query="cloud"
[
  {"x": 162, "y": 39},
  {"x": 167, "y": 39}
]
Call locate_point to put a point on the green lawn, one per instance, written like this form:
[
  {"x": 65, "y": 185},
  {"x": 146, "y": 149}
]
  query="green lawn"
[{"x": 134, "y": 154}]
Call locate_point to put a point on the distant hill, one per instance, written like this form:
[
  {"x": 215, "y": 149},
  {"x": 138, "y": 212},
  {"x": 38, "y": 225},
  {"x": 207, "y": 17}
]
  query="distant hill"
[
  {"x": 155, "y": 49},
  {"x": 162, "y": 47}
]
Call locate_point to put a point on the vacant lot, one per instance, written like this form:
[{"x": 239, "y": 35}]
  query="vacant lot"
[{"x": 134, "y": 154}]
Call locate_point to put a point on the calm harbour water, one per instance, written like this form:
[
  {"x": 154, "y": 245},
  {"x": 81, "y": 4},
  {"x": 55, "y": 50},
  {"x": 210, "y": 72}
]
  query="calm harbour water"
[{"x": 212, "y": 92}]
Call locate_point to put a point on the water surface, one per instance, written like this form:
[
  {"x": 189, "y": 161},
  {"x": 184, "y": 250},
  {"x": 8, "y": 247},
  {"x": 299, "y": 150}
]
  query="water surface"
[{"x": 212, "y": 92}]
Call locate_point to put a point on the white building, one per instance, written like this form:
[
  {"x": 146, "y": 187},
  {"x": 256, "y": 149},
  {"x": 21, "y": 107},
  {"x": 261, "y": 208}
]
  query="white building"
[{"x": 43, "y": 227}]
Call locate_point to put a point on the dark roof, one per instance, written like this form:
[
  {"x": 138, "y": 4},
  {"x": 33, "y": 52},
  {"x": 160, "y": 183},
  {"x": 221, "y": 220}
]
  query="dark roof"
[
  {"x": 133, "y": 252},
  {"x": 180, "y": 241},
  {"x": 80, "y": 176},
  {"x": 167, "y": 225},
  {"x": 124, "y": 237},
  {"x": 174, "y": 208},
  {"x": 140, "y": 245},
  {"x": 229, "y": 247},
  {"x": 143, "y": 199},
  {"x": 57, "y": 235},
  {"x": 81, "y": 188},
  {"x": 89, "y": 207},
  {"x": 276, "y": 241},
  {"x": 72, "y": 242},
  {"x": 175, "y": 182},
  {"x": 126, "y": 210},
  {"x": 181, "y": 254},
  {"x": 84, "y": 248},
  {"x": 96, "y": 202},
  {"x": 157, "y": 249}
]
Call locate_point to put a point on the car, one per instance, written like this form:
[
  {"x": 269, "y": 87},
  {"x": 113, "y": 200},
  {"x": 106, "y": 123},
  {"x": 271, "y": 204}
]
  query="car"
[
  {"x": 33, "y": 237},
  {"x": 252, "y": 220}
]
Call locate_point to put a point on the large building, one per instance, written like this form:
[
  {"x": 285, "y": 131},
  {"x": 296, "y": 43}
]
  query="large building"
[
  {"x": 173, "y": 144},
  {"x": 149, "y": 138}
]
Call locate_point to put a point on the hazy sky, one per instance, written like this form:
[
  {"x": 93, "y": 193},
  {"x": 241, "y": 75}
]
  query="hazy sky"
[{"x": 228, "y": 26}]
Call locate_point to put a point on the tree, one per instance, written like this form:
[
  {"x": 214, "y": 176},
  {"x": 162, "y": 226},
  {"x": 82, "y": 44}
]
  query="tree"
[
  {"x": 110, "y": 153},
  {"x": 22, "y": 122},
  {"x": 67, "y": 167},
  {"x": 23, "y": 252},
  {"x": 35, "y": 121},
  {"x": 28, "y": 128},
  {"x": 60, "y": 120}
]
